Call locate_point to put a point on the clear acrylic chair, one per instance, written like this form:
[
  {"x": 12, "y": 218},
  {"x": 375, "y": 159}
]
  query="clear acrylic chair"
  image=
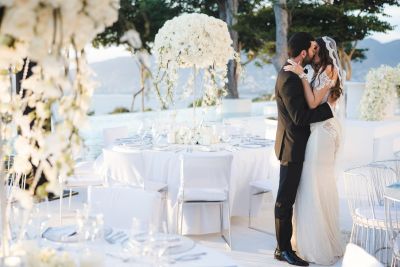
[
  {"x": 392, "y": 212},
  {"x": 393, "y": 164},
  {"x": 364, "y": 189},
  {"x": 110, "y": 135},
  {"x": 204, "y": 179},
  {"x": 257, "y": 188}
]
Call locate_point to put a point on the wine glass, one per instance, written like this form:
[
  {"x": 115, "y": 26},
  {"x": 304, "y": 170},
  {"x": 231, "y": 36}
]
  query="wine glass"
[{"x": 225, "y": 136}]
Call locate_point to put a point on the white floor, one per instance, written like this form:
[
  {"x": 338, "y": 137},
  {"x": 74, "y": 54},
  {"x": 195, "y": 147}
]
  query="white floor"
[{"x": 250, "y": 248}]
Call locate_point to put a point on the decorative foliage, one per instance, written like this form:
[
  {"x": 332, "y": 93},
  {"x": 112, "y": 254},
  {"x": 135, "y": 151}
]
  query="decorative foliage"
[
  {"x": 47, "y": 32},
  {"x": 381, "y": 89},
  {"x": 43, "y": 257},
  {"x": 193, "y": 41}
]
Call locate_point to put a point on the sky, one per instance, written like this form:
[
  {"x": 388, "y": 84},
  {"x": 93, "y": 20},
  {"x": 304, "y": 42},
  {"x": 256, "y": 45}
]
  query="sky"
[{"x": 95, "y": 55}]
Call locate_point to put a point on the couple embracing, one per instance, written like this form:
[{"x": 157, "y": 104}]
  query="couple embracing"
[{"x": 307, "y": 141}]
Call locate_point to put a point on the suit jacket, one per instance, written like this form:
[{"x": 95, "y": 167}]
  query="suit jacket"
[{"x": 294, "y": 117}]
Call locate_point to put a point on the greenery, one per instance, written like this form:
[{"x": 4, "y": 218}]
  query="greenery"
[
  {"x": 90, "y": 113},
  {"x": 118, "y": 110},
  {"x": 347, "y": 21},
  {"x": 263, "y": 98},
  {"x": 145, "y": 16},
  {"x": 199, "y": 103}
]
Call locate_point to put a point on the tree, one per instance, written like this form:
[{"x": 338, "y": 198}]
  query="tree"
[
  {"x": 282, "y": 25},
  {"x": 146, "y": 17},
  {"x": 228, "y": 11},
  {"x": 347, "y": 21}
]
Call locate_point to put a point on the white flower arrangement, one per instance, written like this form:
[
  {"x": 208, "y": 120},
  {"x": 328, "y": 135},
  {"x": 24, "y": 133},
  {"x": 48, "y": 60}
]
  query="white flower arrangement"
[
  {"x": 52, "y": 33},
  {"x": 194, "y": 41},
  {"x": 47, "y": 31},
  {"x": 202, "y": 135},
  {"x": 42, "y": 257},
  {"x": 381, "y": 89}
]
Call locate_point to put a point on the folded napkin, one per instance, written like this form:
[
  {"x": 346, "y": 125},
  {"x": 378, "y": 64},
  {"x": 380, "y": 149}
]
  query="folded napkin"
[
  {"x": 394, "y": 186},
  {"x": 66, "y": 233}
]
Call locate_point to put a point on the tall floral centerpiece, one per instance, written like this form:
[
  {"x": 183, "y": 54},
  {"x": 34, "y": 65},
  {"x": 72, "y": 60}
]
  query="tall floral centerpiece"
[
  {"x": 53, "y": 34},
  {"x": 381, "y": 93},
  {"x": 199, "y": 42}
]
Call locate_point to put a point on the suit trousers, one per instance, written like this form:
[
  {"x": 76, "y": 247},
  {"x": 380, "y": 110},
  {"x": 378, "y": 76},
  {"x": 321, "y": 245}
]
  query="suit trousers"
[{"x": 290, "y": 174}]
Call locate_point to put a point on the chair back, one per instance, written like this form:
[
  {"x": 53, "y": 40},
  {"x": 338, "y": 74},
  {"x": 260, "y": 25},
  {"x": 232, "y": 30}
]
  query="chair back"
[
  {"x": 392, "y": 212},
  {"x": 355, "y": 256},
  {"x": 202, "y": 170},
  {"x": 124, "y": 167},
  {"x": 393, "y": 164},
  {"x": 364, "y": 189},
  {"x": 112, "y": 134},
  {"x": 120, "y": 204}
]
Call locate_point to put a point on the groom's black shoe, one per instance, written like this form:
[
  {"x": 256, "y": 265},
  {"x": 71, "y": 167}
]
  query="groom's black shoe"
[{"x": 290, "y": 257}]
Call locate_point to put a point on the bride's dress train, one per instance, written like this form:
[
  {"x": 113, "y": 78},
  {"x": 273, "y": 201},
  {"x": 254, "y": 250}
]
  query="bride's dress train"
[{"x": 316, "y": 235}]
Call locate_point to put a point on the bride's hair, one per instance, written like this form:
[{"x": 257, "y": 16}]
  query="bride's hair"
[{"x": 325, "y": 61}]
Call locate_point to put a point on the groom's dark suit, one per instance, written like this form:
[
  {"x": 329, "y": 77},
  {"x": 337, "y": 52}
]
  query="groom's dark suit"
[{"x": 294, "y": 118}]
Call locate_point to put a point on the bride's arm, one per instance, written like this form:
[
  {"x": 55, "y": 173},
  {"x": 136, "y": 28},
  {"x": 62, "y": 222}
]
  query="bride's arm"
[{"x": 313, "y": 97}]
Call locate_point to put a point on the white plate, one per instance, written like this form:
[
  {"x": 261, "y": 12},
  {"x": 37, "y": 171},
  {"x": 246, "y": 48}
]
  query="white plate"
[
  {"x": 252, "y": 145},
  {"x": 177, "y": 244}
]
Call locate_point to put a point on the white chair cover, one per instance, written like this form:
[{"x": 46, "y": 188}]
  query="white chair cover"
[
  {"x": 112, "y": 134},
  {"x": 358, "y": 257},
  {"x": 125, "y": 167},
  {"x": 204, "y": 177},
  {"x": 84, "y": 175},
  {"x": 120, "y": 204}
]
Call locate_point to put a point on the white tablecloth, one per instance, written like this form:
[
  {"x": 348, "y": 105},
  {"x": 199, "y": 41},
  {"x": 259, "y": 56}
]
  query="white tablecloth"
[{"x": 248, "y": 164}]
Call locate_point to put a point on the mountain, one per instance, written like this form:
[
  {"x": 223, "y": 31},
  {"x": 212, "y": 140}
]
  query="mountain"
[
  {"x": 121, "y": 75},
  {"x": 378, "y": 54}
]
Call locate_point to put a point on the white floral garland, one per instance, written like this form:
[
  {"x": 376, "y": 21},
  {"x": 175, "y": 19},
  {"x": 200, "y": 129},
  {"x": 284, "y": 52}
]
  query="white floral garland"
[
  {"x": 193, "y": 41},
  {"x": 380, "y": 89},
  {"x": 52, "y": 33}
]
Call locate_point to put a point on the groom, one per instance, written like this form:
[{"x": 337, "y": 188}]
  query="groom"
[{"x": 294, "y": 118}]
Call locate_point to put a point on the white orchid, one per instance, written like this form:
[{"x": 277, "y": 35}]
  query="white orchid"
[
  {"x": 194, "y": 40},
  {"x": 380, "y": 89}
]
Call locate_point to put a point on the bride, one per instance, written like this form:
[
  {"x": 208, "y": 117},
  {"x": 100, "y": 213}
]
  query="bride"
[{"x": 316, "y": 212}]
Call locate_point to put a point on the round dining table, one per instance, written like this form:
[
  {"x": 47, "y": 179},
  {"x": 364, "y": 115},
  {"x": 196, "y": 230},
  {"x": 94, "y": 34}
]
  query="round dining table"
[{"x": 251, "y": 161}]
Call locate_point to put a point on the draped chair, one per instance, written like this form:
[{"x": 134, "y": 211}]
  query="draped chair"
[
  {"x": 127, "y": 168},
  {"x": 120, "y": 204},
  {"x": 257, "y": 188},
  {"x": 364, "y": 188},
  {"x": 204, "y": 179}
]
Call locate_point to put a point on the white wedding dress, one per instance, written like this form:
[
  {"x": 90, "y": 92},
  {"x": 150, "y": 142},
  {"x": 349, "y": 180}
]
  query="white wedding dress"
[{"x": 316, "y": 235}]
